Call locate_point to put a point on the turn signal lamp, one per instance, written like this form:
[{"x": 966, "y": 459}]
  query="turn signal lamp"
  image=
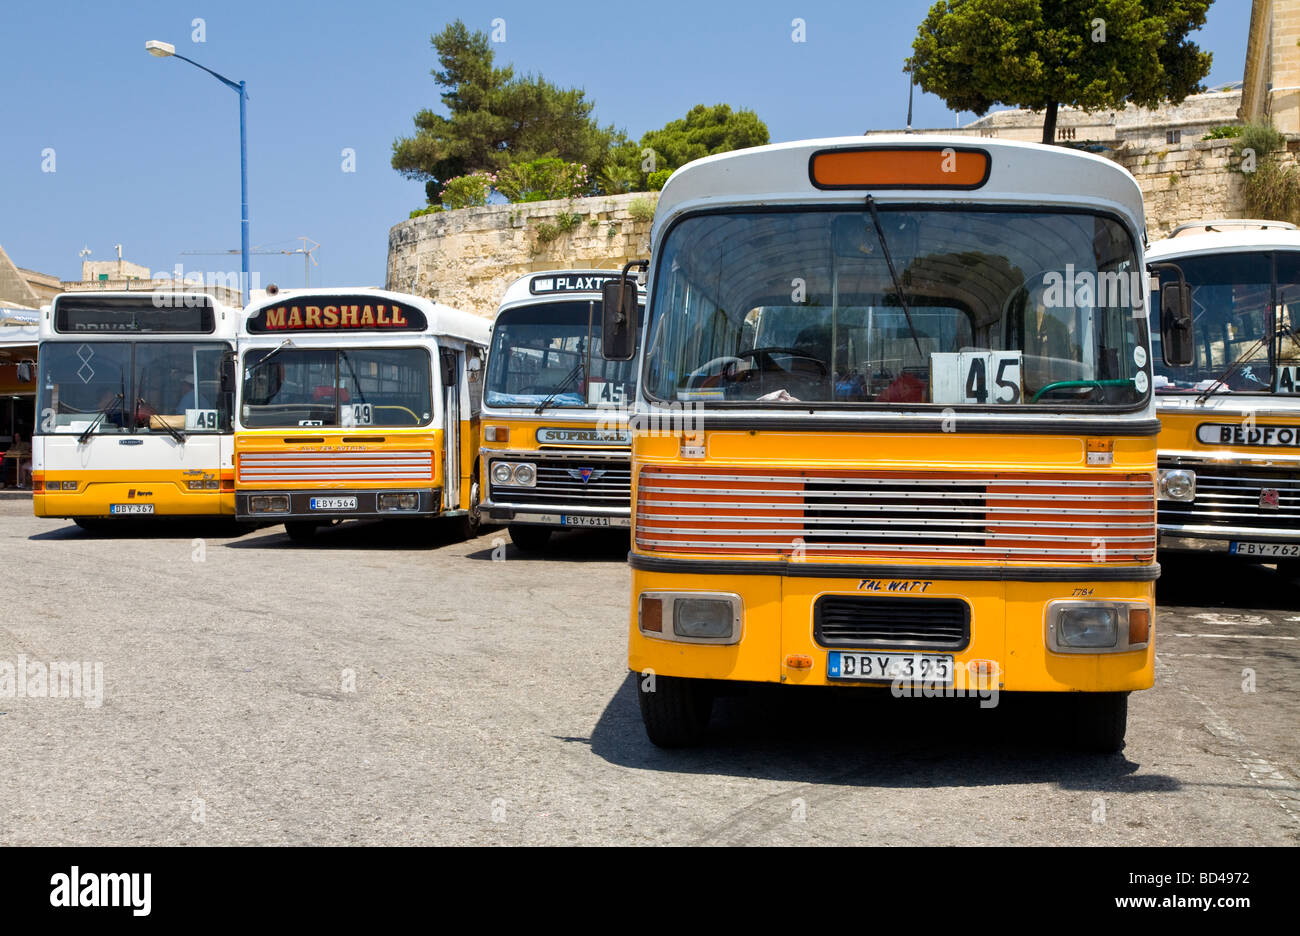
[
  {"x": 799, "y": 661},
  {"x": 1139, "y": 626},
  {"x": 652, "y": 615}
]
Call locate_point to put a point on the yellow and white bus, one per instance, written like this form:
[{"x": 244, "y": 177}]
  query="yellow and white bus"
[
  {"x": 894, "y": 427},
  {"x": 357, "y": 403},
  {"x": 1230, "y": 420},
  {"x": 131, "y": 419},
  {"x": 555, "y": 446}
]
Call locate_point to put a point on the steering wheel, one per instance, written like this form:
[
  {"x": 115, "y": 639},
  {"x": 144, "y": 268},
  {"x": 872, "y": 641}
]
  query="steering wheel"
[{"x": 756, "y": 353}]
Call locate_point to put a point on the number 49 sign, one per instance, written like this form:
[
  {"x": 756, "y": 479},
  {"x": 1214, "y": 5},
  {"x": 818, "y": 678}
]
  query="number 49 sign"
[{"x": 981, "y": 378}]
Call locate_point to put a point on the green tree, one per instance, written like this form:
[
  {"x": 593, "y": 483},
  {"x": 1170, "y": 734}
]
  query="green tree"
[
  {"x": 1040, "y": 54},
  {"x": 703, "y": 132},
  {"x": 494, "y": 118}
]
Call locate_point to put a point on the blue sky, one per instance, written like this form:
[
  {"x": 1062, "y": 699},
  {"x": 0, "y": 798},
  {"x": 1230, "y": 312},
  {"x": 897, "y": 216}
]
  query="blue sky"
[{"x": 146, "y": 150}]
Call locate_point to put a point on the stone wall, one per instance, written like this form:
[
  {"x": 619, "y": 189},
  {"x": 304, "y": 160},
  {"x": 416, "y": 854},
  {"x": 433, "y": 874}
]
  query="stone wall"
[
  {"x": 468, "y": 258},
  {"x": 1190, "y": 182}
]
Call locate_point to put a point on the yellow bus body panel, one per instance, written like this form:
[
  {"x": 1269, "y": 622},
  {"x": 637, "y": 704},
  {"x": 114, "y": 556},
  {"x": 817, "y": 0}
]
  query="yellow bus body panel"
[
  {"x": 166, "y": 489},
  {"x": 1008, "y": 625}
]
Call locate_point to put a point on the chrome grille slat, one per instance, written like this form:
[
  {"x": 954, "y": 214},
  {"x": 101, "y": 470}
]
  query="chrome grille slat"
[
  {"x": 1007, "y": 514},
  {"x": 324, "y": 467},
  {"x": 556, "y": 487},
  {"x": 1231, "y": 498}
]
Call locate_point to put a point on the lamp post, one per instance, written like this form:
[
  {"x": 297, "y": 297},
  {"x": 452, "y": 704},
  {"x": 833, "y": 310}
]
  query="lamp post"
[{"x": 167, "y": 50}]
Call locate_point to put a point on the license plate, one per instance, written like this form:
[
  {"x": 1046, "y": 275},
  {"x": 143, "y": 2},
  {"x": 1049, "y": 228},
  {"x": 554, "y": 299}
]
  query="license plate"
[
  {"x": 570, "y": 520},
  {"x": 1278, "y": 550},
  {"x": 333, "y": 503},
  {"x": 130, "y": 508},
  {"x": 933, "y": 668}
]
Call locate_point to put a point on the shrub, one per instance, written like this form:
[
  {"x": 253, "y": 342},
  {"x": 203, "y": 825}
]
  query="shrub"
[
  {"x": 1272, "y": 189},
  {"x": 427, "y": 209},
  {"x": 656, "y": 180},
  {"x": 467, "y": 191},
  {"x": 542, "y": 180},
  {"x": 1223, "y": 132},
  {"x": 641, "y": 209},
  {"x": 617, "y": 179}
]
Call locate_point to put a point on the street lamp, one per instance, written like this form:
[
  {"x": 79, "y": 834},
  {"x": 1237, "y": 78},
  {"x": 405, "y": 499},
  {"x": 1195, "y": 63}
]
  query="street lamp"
[{"x": 166, "y": 50}]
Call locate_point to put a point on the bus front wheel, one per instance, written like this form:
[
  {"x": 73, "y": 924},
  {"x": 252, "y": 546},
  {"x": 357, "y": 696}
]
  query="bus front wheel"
[
  {"x": 1100, "y": 721},
  {"x": 530, "y": 538},
  {"x": 675, "y": 710},
  {"x": 300, "y": 531}
]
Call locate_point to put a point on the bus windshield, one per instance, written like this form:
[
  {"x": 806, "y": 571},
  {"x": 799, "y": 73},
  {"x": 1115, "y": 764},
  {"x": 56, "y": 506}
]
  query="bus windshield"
[
  {"x": 132, "y": 387},
  {"x": 554, "y": 348},
  {"x": 1245, "y": 333},
  {"x": 337, "y": 387},
  {"x": 997, "y": 307}
]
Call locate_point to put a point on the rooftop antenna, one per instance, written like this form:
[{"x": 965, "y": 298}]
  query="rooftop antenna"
[
  {"x": 307, "y": 262},
  {"x": 84, "y": 252},
  {"x": 911, "y": 83}
]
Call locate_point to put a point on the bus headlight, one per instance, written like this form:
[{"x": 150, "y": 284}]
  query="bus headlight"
[
  {"x": 703, "y": 617},
  {"x": 520, "y": 474},
  {"x": 268, "y": 503},
  {"x": 1097, "y": 626},
  {"x": 406, "y": 501},
  {"x": 1177, "y": 484}
]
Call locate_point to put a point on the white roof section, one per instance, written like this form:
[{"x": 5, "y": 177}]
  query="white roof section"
[
  {"x": 442, "y": 319},
  {"x": 553, "y": 285},
  {"x": 1232, "y": 241},
  {"x": 1020, "y": 173}
]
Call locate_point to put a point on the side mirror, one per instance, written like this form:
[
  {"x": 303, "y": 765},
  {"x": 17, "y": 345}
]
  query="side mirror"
[
  {"x": 619, "y": 319},
  {"x": 1177, "y": 340},
  {"x": 228, "y": 372},
  {"x": 26, "y": 372}
]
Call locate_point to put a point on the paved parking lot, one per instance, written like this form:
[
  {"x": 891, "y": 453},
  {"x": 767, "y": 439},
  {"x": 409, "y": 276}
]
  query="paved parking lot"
[{"x": 392, "y": 685}]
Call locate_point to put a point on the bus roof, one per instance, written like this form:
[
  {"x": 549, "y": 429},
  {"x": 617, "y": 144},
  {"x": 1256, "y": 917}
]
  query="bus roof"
[
  {"x": 1026, "y": 173},
  {"x": 441, "y": 319},
  {"x": 1234, "y": 241},
  {"x": 549, "y": 285}
]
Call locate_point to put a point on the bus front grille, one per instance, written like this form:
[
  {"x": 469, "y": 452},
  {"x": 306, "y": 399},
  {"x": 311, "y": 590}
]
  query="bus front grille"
[
  {"x": 810, "y": 514},
  {"x": 883, "y": 622},
  {"x": 572, "y": 482},
  {"x": 325, "y": 467},
  {"x": 1241, "y": 497}
]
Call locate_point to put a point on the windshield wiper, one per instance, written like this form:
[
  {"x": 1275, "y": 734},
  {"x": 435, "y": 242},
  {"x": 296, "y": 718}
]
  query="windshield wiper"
[
  {"x": 90, "y": 430},
  {"x": 893, "y": 274},
  {"x": 162, "y": 421},
  {"x": 1241, "y": 359},
  {"x": 248, "y": 371},
  {"x": 559, "y": 388}
]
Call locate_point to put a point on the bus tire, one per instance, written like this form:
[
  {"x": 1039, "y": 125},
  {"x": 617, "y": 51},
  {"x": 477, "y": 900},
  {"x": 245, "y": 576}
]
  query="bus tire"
[
  {"x": 530, "y": 538},
  {"x": 1100, "y": 721},
  {"x": 676, "y": 713},
  {"x": 300, "y": 531}
]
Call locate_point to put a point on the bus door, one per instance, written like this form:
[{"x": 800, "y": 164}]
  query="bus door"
[{"x": 450, "y": 359}]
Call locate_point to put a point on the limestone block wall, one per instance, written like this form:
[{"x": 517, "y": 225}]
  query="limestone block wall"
[
  {"x": 1188, "y": 182},
  {"x": 468, "y": 258}
]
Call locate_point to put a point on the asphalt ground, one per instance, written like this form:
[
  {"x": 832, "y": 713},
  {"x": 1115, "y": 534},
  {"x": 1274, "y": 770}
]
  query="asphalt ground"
[{"x": 392, "y": 685}]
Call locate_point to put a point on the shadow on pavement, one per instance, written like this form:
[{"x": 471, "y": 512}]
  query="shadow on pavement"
[
  {"x": 1193, "y": 580},
  {"x": 152, "y": 528},
  {"x": 567, "y": 546},
  {"x": 415, "y": 533},
  {"x": 862, "y": 738}
]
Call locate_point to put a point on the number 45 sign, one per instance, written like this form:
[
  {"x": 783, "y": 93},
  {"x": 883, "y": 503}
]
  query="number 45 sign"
[{"x": 976, "y": 377}]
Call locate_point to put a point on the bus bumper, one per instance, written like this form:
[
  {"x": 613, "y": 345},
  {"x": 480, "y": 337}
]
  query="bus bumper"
[
  {"x": 1007, "y": 634},
  {"x": 103, "y": 499},
  {"x": 324, "y": 504},
  {"x": 558, "y": 515}
]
